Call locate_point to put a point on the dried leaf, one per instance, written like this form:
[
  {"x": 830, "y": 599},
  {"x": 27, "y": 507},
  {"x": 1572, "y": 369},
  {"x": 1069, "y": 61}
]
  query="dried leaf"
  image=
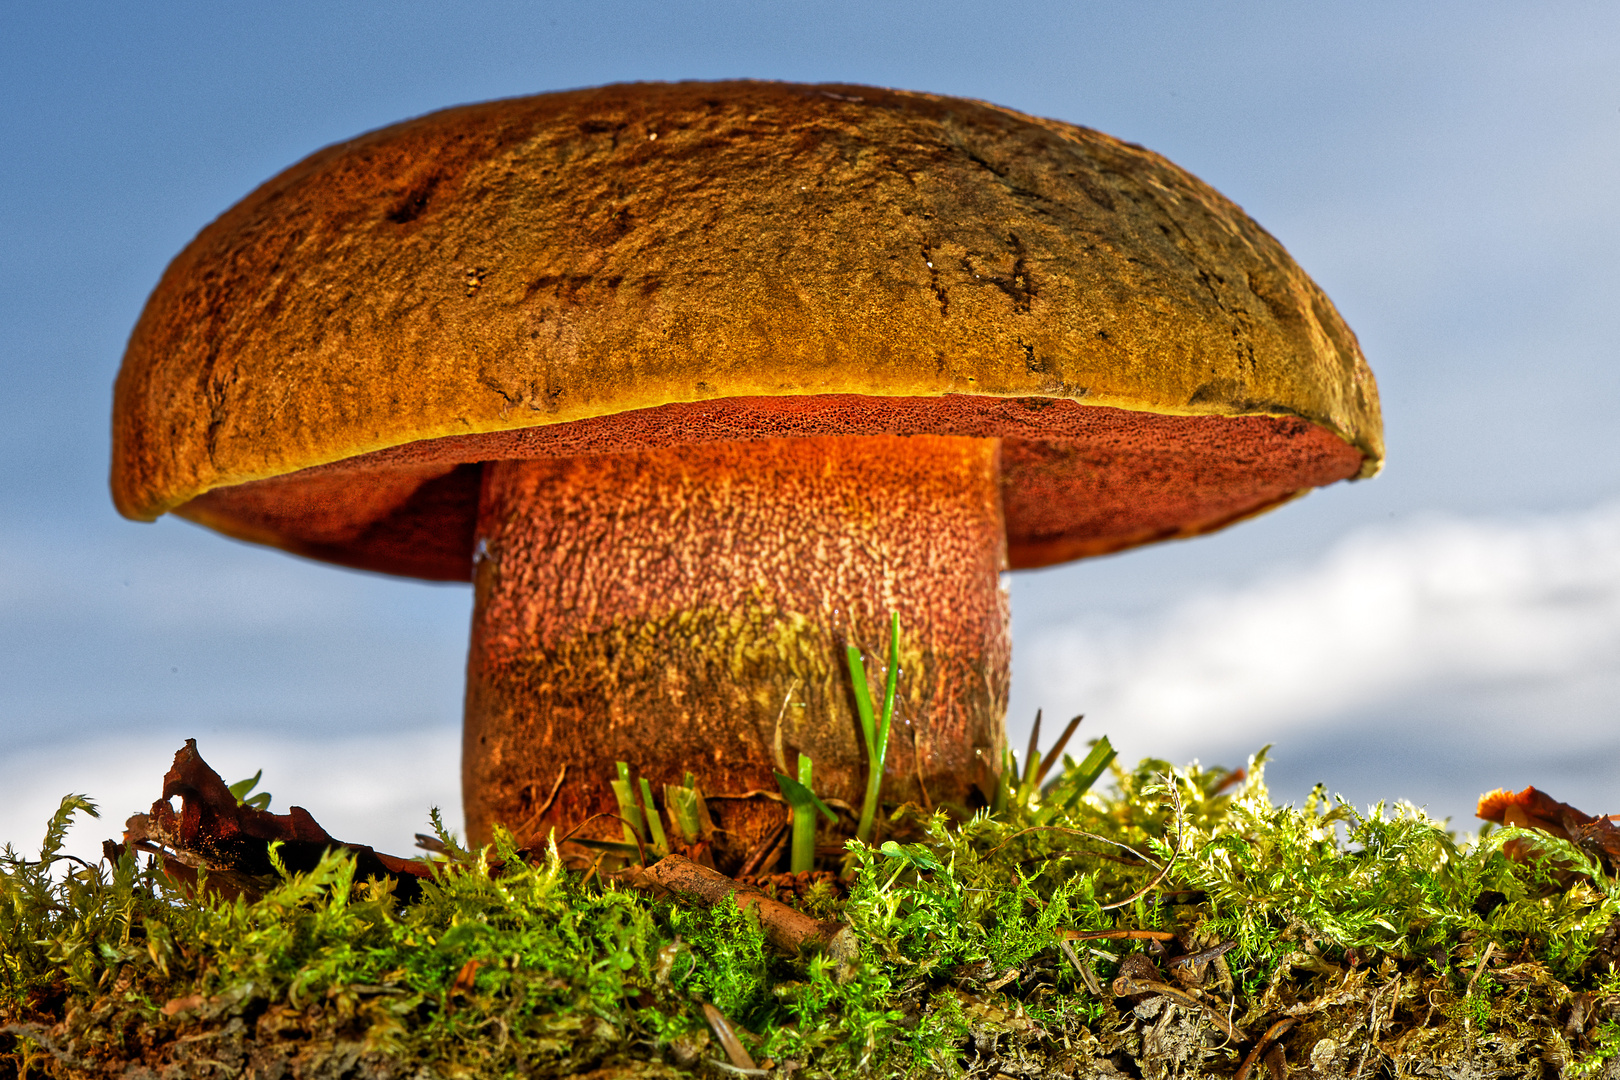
[
  {"x": 231, "y": 840},
  {"x": 1533, "y": 808}
]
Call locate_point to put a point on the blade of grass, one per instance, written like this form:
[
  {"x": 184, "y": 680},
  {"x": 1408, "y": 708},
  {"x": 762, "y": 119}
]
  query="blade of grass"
[
  {"x": 624, "y": 791},
  {"x": 655, "y": 824},
  {"x": 798, "y": 793},
  {"x": 803, "y": 853},
  {"x": 681, "y": 802},
  {"x": 629, "y": 852},
  {"x": 706, "y": 828},
  {"x": 802, "y": 798},
  {"x": 804, "y": 805},
  {"x": 876, "y": 733},
  {"x": 1101, "y": 756},
  {"x": 1033, "y": 753},
  {"x": 863, "y": 700},
  {"x": 1055, "y": 755},
  {"x": 1004, "y": 782},
  {"x": 890, "y": 684}
]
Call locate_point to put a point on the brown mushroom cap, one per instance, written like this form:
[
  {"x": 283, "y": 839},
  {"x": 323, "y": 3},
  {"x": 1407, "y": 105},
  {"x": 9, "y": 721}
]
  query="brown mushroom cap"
[{"x": 640, "y": 265}]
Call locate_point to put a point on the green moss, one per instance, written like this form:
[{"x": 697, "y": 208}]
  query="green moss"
[{"x": 1393, "y": 945}]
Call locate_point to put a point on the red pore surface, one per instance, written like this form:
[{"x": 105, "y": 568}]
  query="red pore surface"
[
  {"x": 687, "y": 609},
  {"x": 1077, "y": 480}
]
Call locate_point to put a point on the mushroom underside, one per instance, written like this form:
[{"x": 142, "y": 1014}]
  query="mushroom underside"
[{"x": 1077, "y": 480}]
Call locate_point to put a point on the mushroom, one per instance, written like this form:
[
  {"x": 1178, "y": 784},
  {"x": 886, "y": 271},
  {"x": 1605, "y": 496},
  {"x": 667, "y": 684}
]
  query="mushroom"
[{"x": 697, "y": 383}]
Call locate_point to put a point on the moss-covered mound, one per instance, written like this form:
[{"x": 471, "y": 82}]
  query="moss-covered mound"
[{"x": 1180, "y": 925}]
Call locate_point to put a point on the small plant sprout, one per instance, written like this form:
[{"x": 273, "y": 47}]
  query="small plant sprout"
[
  {"x": 802, "y": 799},
  {"x": 1086, "y": 773},
  {"x": 655, "y": 824},
  {"x": 914, "y": 857},
  {"x": 240, "y": 790},
  {"x": 1032, "y": 762},
  {"x": 1019, "y": 788},
  {"x": 624, "y": 790},
  {"x": 874, "y": 731},
  {"x": 688, "y": 814}
]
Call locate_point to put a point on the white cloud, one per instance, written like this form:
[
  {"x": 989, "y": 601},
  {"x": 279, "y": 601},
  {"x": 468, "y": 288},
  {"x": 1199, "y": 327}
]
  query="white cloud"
[{"x": 1506, "y": 632}]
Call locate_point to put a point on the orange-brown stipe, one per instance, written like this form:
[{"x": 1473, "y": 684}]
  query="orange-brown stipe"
[{"x": 659, "y": 607}]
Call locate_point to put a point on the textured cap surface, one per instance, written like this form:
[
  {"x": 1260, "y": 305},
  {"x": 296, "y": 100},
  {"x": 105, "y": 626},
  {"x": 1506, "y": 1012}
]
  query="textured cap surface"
[{"x": 598, "y": 269}]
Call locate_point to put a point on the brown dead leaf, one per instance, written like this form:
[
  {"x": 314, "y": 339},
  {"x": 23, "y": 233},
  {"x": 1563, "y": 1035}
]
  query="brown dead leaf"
[
  {"x": 1533, "y": 808},
  {"x": 231, "y": 841}
]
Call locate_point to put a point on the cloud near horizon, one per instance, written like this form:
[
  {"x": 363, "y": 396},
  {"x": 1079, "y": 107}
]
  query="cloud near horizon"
[{"x": 1508, "y": 629}]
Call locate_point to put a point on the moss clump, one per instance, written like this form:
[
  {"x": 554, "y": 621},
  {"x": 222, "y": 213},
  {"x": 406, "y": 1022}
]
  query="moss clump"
[{"x": 1041, "y": 941}]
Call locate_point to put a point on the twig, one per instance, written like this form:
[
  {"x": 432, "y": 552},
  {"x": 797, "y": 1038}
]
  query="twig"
[
  {"x": 1054, "y": 754},
  {"x": 1123, "y": 860},
  {"x": 1394, "y": 1002},
  {"x": 1125, "y": 986},
  {"x": 761, "y": 856},
  {"x": 1139, "y": 893},
  {"x": 60, "y": 855},
  {"x": 1194, "y": 963},
  {"x": 540, "y": 813},
  {"x": 735, "y": 1050},
  {"x": 1273, "y": 1033},
  {"x": 1006, "y": 977},
  {"x": 776, "y": 796},
  {"x": 1116, "y": 935},
  {"x": 786, "y": 929},
  {"x": 1083, "y": 967},
  {"x": 1175, "y": 800},
  {"x": 1479, "y": 969},
  {"x": 641, "y": 851}
]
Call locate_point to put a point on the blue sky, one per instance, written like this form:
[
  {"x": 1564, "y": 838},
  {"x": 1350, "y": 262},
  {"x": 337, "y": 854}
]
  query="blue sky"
[{"x": 1447, "y": 172}]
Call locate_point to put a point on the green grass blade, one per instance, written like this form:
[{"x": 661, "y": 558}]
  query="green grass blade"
[
  {"x": 681, "y": 802},
  {"x": 798, "y": 794},
  {"x": 1006, "y": 779},
  {"x": 804, "y": 823},
  {"x": 1102, "y": 755},
  {"x": 625, "y": 793},
  {"x": 863, "y": 699},
  {"x": 655, "y": 824},
  {"x": 890, "y": 681},
  {"x": 877, "y": 736}
]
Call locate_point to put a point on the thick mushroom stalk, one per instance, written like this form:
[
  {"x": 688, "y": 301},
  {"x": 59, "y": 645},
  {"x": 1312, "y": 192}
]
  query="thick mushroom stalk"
[{"x": 686, "y": 609}]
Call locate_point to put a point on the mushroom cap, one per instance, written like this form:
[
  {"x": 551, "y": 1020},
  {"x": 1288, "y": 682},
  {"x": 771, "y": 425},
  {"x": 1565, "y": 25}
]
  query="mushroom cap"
[{"x": 638, "y": 265}]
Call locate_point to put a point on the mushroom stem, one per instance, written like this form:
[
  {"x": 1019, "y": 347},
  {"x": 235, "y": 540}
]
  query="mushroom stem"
[{"x": 656, "y": 607}]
